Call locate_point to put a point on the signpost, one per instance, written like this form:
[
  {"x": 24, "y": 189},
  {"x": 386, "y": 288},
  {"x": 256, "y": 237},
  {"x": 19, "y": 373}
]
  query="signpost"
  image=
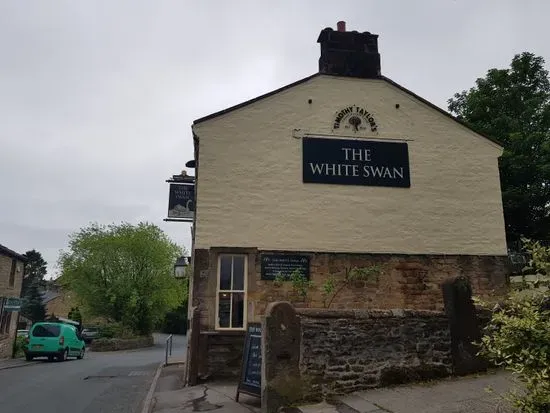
[
  {"x": 250, "y": 380},
  {"x": 285, "y": 265}
]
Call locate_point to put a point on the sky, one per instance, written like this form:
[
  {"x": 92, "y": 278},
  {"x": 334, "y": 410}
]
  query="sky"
[{"x": 97, "y": 97}]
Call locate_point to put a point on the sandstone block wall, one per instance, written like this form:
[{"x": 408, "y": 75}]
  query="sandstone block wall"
[
  {"x": 7, "y": 290},
  {"x": 346, "y": 351},
  {"x": 220, "y": 354}
]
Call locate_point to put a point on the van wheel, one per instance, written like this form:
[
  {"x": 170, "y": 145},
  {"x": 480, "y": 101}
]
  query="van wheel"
[
  {"x": 63, "y": 356},
  {"x": 81, "y": 355},
  {"x": 28, "y": 358}
]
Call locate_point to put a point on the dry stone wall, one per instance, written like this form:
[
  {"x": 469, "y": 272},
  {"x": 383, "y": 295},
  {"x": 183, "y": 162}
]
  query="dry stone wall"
[{"x": 346, "y": 351}]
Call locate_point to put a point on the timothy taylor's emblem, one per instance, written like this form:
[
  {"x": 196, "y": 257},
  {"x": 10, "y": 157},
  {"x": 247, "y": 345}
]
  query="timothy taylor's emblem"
[{"x": 355, "y": 119}]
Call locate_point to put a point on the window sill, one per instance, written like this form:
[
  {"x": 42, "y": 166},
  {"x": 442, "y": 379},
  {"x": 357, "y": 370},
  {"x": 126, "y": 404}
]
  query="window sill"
[{"x": 232, "y": 332}]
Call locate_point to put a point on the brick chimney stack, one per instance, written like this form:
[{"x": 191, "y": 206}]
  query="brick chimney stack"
[{"x": 350, "y": 54}]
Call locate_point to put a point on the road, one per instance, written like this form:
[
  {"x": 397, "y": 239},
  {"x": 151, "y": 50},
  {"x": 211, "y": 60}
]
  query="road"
[{"x": 113, "y": 382}]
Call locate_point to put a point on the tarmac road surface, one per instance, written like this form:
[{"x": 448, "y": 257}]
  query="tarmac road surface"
[{"x": 113, "y": 382}]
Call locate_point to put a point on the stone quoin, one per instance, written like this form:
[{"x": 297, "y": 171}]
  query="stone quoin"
[{"x": 345, "y": 169}]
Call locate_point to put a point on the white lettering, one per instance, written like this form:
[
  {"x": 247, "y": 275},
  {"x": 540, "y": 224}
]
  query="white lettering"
[
  {"x": 330, "y": 168},
  {"x": 387, "y": 172},
  {"x": 377, "y": 171},
  {"x": 398, "y": 172},
  {"x": 316, "y": 168},
  {"x": 355, "y": 170},
  {"x": 346, "y": 152},
  {"x": 367, "y": 155},
  {"x": 356, "y": 153},
  {"x": 366, "y": 173}
]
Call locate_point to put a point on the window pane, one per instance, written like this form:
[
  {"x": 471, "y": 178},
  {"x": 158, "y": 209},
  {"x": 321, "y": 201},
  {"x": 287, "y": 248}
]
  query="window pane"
[
  {"x": 238, "y": 273},
  {"x": 237, "y": 318},
  {"x": 225, "y": 273},
  {"x": 224, "y": 310},
  {"x": 46, "y": 330}
]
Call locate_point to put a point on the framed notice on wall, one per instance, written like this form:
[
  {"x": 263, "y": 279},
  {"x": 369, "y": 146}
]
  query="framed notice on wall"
[
  {"x": 283, "y": 265},
  {"x": 355, "y": 162}
]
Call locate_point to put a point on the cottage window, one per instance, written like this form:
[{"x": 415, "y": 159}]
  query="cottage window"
[
  {"x": 12, "y": 272},
  {"x": 231, "y": 297},
  {"x": 5, "y": 317}
]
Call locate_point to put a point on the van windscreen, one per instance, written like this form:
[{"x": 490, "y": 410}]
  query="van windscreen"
[{"x": 46, "y": 330}]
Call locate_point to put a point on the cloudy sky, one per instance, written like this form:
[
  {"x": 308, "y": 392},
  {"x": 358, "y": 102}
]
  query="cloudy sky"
[{"x": 97, "y": 97}]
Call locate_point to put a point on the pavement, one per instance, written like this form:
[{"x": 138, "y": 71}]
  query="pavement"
[
  {"x": 473, "y": 394},
  {"x": 113, "y": 382},
  {"x": 171, "y": 396}
]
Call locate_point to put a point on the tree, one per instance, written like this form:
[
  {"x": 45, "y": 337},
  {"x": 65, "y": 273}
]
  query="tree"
[
  {"x": 32, "y": 307},
  {"x": 513, "y": 106},
  {"x": 75, "y": 315},
  {"x": 123, "y": 273},
  {"x": 35, "y": 270}
]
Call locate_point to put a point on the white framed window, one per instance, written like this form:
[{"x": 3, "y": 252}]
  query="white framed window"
[{"x": 231, "y": 292}]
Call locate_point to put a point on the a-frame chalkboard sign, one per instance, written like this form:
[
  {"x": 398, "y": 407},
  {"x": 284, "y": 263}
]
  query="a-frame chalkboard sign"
[{"x": 250, "y": 380}]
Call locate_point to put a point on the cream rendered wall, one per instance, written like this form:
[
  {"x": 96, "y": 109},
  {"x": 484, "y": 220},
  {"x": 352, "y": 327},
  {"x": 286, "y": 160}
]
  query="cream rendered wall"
[{"x": 250, "y": 191}]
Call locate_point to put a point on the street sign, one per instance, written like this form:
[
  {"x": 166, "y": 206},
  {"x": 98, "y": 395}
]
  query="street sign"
[{"x": 12, "y": 304}]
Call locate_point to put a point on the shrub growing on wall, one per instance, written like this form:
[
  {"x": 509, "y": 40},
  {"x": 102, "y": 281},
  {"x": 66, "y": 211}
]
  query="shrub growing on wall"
[{"x": 518, "y": 338}]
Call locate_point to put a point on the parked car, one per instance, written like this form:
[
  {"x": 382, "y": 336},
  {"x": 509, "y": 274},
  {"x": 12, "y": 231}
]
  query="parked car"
[
  {"x": 22, "y": 333},
  {"x": 54, "y": 340},
  {"x": 90, "y": 333}
]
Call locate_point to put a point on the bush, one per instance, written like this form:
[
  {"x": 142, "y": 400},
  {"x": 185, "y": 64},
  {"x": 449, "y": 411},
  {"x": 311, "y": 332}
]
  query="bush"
[
  {"x": 518, "y": 338},
  {"x": 175, "y": 322},
  {"x": 18, "y": 347},
  {"x": 115, "y": 330}
]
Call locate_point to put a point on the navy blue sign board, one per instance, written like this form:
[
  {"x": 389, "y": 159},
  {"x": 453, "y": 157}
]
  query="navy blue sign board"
[
  {"x": 284, "y": 265},
  {"x": 356, "y": 162},
  {"x": 250, "y": 380},
  {"x": 181, "y": 203}
]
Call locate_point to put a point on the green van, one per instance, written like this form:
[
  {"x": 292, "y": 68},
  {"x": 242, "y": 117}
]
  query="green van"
[{"x": 51, "y": 339}]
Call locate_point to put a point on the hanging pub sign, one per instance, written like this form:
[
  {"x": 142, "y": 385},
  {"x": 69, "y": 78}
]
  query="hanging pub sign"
[
  {"x": 355, "y": 162},
  {"x": 181, "y": 203}
]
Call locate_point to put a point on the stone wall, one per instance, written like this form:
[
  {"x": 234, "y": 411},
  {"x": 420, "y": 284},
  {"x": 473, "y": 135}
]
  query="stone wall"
[
  {"x": 7, "y": 290},
  {"x": 115, "y": 344},
  {"x": 346, "y": 351},
  {"x": 220, "y": 354},
  {"x": 405, "y": 281}
]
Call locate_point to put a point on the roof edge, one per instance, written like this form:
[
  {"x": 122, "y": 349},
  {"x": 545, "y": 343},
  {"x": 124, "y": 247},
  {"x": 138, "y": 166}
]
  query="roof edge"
[
  {"x": 10, "y": 253},
  {"x": 253, "y": 100},
  {"x": 437, "y": 108},
  {"x": 384, "y": 78}
]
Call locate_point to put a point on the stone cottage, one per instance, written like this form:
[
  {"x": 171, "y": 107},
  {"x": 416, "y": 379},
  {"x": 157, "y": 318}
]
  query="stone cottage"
[
  {"x": 12, "y": 268},
  {"x": 342, "y": 169}
]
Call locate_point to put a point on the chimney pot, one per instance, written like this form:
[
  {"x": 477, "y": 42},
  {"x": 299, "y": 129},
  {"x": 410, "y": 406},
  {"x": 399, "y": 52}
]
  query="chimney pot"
[{"x": 341, "y": 25}]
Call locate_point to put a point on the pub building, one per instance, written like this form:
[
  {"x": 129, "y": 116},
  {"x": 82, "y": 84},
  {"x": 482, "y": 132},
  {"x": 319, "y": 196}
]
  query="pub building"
[{"x": 344, "y": 168}]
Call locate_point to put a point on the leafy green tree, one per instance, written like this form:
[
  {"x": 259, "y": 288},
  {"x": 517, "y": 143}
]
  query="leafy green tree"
[
  {"x": 35, "y": 271},
  {"x": 513, "y": 106},
  {"x": 32, "y": 306},
  {"x": 123, "y": 273},
  {"x": 75, "y": 315}
]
